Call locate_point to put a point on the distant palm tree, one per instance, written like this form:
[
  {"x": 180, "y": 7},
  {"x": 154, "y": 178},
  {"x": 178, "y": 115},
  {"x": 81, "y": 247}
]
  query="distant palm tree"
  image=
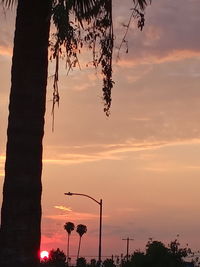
[
  {"x": 69, "y": 227},
  {"x": 81, "y": 229}
]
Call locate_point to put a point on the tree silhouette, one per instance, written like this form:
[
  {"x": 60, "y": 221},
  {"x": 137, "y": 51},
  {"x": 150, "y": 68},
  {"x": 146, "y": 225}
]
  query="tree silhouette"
[
  {"x": 81, "y": 230},
  {"x": 159, "y": 255},
  {"x": 81, "y": 262},
  {"x": 20, "y": 230},
  {"x": 109, "y": 263},
  {"x": 69, "y": 227},
  {"x": 21, "y": 208},
  {"x": 57, "y": 258}
]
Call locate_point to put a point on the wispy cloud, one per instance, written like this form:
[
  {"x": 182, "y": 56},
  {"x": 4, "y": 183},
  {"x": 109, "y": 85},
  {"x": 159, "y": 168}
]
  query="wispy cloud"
[
  {"x": 156, "y": 169},
  {"x": 63, "y": 208},
  {"x": 75, "y": 216},
  {"x": 193, "y": 167},
  {"x": 152, "y": 58},
  {"x": 165, "y": 37},
  {"x": 98, "y": 152},
  {"x": 110, "y": 151}
]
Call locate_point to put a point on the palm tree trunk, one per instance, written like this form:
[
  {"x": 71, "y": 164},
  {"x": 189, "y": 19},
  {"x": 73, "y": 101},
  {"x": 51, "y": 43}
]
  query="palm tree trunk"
[
  {"x": 21, "y": 209},
  {"x": 68, "y": 250},
  {"x": 79, "y": 246}
]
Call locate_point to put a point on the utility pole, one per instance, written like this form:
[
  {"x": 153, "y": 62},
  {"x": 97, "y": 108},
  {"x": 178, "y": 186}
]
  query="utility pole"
[
  {"x": 100, "y": 203},
  {"x": 127, "y": 246}
]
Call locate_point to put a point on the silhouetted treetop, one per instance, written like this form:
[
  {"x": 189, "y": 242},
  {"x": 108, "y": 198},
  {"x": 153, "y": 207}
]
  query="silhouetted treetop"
[
  {"x": 69, "y": 227},
  {"x": 81, "y": 229},
  {"x": 159, "y": 255}
]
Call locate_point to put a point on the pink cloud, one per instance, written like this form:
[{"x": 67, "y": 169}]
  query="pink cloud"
[
  {"x": 75, "y": 216},
  {"x": 153, "y": 58}
]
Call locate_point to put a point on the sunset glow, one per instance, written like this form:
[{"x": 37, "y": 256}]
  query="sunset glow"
[
  {"x": 44, "y": 254},
  {"x": 144, "y": 160}
]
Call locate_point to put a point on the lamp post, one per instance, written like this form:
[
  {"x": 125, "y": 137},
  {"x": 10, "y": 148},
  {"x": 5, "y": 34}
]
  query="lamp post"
[{"x": 100, "y": 203}]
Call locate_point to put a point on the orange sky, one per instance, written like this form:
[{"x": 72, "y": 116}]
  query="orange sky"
[{"x": 143, "y": 161}]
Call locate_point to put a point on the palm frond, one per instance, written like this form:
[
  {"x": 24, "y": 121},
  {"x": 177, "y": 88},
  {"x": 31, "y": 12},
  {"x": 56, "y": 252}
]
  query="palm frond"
[
  {"x": 142, "y": 3},
  {"x": 84, "y": 22},
  {"x": 86, "y": 9},
  {"x": 8, "y": 3},
  {"x": 88, "y": 22}
]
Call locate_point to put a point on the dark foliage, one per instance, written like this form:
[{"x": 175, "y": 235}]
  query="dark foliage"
[
  {"x": 88, "y": 24},
  {"x": 69, "y": 227},
  {"x": 81, "y": 229},
  {"x": 158, "y": 255},
  {"x": 108, "y": 263},
  {"x": 93, "y": 263},
  {"x": 81, "y": 262},
  {"x": 57, "y": 258},
  {"x": 78, "y": 24}
]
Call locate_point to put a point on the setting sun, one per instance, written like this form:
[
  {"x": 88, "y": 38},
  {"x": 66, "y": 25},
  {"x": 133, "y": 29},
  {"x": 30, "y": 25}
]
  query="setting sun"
[{"x": 44, "y": 254}]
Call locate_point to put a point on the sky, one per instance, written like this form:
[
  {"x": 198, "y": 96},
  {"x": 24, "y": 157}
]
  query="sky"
[{"x": 144, "y": 160}]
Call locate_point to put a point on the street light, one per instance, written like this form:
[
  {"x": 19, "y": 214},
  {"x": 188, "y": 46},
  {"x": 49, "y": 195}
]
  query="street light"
[{"x": 100, "y": 217}]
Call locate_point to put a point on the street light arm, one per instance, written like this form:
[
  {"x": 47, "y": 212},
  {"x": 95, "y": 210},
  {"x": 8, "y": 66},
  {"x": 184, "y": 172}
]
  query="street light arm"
[
  {"x": 78, "y": 194},
  {"x": 100, "y": 203}
]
